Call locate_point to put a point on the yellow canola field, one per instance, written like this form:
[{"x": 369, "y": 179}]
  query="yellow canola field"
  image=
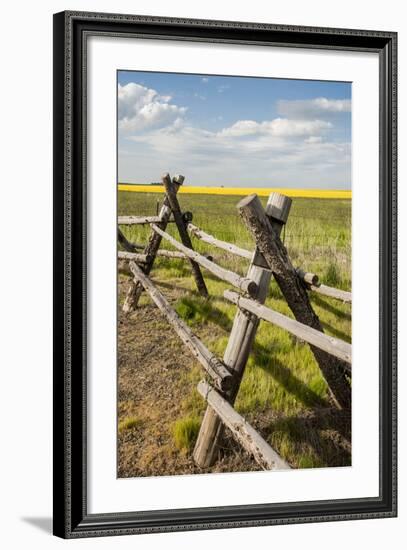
[{"x": 261, "y": 191}]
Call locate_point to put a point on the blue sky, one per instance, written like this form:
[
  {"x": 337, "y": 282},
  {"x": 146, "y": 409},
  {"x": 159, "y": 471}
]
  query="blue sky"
[{"x": 234, "y": 131}]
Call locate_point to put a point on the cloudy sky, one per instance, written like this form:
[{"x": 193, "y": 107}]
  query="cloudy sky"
[{"x": 234, "y": 131}]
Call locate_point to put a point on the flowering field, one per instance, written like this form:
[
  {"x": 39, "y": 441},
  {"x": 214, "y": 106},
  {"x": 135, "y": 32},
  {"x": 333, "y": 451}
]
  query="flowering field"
[{"x": 261, "y": 191}]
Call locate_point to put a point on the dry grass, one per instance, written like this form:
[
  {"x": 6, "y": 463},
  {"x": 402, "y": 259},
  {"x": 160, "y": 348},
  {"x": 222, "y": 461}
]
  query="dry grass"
[{"x": 129, "y": 423}]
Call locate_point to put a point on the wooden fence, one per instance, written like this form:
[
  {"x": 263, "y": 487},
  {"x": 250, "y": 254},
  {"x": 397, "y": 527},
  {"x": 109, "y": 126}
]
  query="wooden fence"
[{"x": 269, "y": 259}]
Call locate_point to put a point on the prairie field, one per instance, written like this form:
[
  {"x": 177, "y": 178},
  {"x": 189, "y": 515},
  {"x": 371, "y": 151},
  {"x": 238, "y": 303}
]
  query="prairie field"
[{"x": 283, "y": 394}]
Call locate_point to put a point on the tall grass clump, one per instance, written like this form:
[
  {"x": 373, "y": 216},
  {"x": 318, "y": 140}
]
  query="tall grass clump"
[
  {"x": 332, "y": 276},
  {"x": 185, "y": 431}
]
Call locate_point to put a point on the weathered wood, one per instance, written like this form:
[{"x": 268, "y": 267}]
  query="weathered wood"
[
  {"x": 137, "y": 256},
  {"x": 126, "y": 244},
  {"x": 240, "y": 341},
  {"x": 135, "y": 290},
  {"x": 331, "y": 292},
  {"x": 274, "y": 252},
  {"x": 123, "y": 267},
  {"x": 332, "y": 345},
  {"x": 187, "y": 217},
  {"x": 242, "y": 431},
  {"x": 183, "y": 233},
  {"x": 139, "y": 220},
  {"x": 173, "y": 254},
  {"x": 243, "y": 283},
  {"x": 312, "y": 283},
  {"x": 232, "y": 248},
  {"x": 278, "y": 207},
  {"x": 134, "y": 256},
  {"x": 179, "y": 255},
  {"x": 213, "y": 366},
  {"x": 307, "y": 278}
]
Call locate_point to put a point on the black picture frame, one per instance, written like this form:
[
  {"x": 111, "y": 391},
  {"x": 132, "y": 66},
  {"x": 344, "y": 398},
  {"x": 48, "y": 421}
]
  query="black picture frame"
[{"x": 71, "y": 518}]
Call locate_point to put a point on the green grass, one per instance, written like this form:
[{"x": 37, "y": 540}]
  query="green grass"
[
  {"x": 185, "y": 431},
  {"x": 318, "y": 231},
  {"x": 332, "y": 276},
  {"x": 282, "y": 379},
  {"x": 194, "y": 311}
]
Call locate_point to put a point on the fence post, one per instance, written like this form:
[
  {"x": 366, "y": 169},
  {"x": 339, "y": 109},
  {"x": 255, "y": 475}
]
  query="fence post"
[
  {"x": 135, "y": 289},
  {"x": 241, "y": 338},
  {"x": 274, "y": 252},
  {"x": 183, "y": 233}
]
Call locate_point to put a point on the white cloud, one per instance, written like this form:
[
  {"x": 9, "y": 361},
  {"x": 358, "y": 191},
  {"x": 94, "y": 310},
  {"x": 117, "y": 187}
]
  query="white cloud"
[
  {"x": 205, "y": 80},
  {"x": 278, "y": 127},
  {"x": 319, "y": 107},
  {"x": 141, "y": 108},
  {"x": 313, "y": 139},
  {"x": 241, "y": 128},
  {"x": 266, "y": 153}
]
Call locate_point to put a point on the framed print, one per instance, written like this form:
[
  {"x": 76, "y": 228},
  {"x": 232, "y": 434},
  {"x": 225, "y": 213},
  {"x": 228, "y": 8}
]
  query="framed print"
[{"x": 224, "y": 274}]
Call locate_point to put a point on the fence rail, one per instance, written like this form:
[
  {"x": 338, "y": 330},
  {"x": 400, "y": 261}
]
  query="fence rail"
[
  {"x": 243, "y": 283},
  {"x": 336, "y": 293},
  {"x": 140, "y": 257},
  {"x": 334, "y": 346},
  {"x": 210, "y": 239},
  {"x": 139, "y": 220}
]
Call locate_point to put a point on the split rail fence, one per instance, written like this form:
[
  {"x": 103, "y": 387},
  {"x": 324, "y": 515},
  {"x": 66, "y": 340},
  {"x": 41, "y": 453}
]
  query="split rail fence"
[{"x": 269, "y": 259}]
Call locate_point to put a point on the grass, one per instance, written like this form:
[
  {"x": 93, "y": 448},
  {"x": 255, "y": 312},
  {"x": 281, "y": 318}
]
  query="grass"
[
  {"x": 194, "y": 311},
  {"x": 332, "y": 275},
  {"x": 185, "y": 431},
  {"x": 318, "y": 231},
  {"x": 129, "y": 423},
  {"x": 282, "y": 383}
]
